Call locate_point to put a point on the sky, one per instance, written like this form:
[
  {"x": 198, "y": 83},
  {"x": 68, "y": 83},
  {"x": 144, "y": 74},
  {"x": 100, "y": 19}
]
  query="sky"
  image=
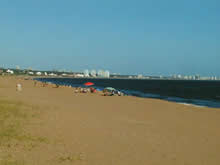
[{"x": 150, "y": 37}]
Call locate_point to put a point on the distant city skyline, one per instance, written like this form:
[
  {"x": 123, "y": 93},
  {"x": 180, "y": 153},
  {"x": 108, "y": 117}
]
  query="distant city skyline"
[
  {"x": 149, "y": 37},
  {"x": 89, "y": 70},
  {"x": 101, "y": 74}
]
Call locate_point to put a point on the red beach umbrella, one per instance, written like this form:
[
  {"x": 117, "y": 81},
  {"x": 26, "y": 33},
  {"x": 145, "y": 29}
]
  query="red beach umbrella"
[{"x": 89, "y": 84}]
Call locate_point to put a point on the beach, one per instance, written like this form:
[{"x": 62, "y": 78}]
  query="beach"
[{"x": 90, "y": 129}]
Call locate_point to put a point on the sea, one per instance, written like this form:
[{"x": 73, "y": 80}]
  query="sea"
[{"x": 195, "y": 92}]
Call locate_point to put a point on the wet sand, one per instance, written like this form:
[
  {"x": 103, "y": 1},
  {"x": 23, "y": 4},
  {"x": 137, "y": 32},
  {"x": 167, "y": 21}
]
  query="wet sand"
[{"x": 91, "y": 129}]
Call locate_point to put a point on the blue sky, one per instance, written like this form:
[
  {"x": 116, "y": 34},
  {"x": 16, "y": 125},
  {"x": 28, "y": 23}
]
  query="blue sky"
[{"x": 153, "y": 37}]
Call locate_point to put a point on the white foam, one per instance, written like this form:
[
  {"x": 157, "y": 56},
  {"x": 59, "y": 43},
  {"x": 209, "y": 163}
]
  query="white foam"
[{"x": 192, "y": 105}]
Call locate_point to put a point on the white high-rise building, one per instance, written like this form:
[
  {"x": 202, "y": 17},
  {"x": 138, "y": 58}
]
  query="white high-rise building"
[
  {"x": 86, "y": 73},
  {"x": 106, "y": 74},
  {"x": 140, "y": 76},
  {"x": 93, "y": 73},
  {"x": 179, "y": 76},
  {"x": 100, "y": 73}
]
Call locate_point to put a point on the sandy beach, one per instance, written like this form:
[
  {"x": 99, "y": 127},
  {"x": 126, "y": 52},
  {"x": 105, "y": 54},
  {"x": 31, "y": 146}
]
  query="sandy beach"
[{"x": 90, "y": 129}]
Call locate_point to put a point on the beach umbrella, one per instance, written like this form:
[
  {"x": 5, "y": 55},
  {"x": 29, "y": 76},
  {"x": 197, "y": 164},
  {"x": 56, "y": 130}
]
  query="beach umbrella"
[
  {"x": 110, "y": 89},
  {"x": 89, "y": 84}
]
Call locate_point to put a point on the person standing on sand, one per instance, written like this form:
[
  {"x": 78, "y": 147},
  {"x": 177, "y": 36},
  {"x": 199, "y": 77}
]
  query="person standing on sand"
[{"x": 18, "y": 87}]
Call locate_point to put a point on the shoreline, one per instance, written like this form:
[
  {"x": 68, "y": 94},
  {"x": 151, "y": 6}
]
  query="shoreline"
[{"x": 212, "y": 103}]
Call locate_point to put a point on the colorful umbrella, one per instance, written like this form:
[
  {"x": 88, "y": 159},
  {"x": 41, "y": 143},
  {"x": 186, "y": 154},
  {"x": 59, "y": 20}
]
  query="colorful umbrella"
[
  {"x": 89, "y": 84},
  {"x": 110, "y": 89}
]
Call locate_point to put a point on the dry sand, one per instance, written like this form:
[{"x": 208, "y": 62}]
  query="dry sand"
[{"x": 90, "y": 129}]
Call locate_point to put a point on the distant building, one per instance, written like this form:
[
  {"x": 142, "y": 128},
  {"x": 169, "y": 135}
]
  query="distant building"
[
  {"x": 185, "y": 77},
  {"x": 103, "y": 74},
  {"x": 38, "y": 73},
  {"x": 174, "y": 76},
  {"x": 80, "y": 75},
  {"x": 52, "y": 74},
  {"x": 93, "y": 73},
  {"x": 10, "y": 71},
  {"x": 31, "y": 73},
  {"x": 86, "y": 73},
  {"x": 140, "y": 76},
  {"x": 197, "y": 77},
  {"x": 100, "y": 73},
  {"x": 106, "y": 74}
]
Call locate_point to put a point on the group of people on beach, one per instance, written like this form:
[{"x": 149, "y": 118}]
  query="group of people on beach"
[
  {"x": 112, "y": 93},
  {"x": 83, "y": 89},
  {"x": 43, "y": 84}
]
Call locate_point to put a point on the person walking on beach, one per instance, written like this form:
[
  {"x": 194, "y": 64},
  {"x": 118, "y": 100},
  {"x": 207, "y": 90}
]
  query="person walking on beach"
[{"x": 19, "y": 87}]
